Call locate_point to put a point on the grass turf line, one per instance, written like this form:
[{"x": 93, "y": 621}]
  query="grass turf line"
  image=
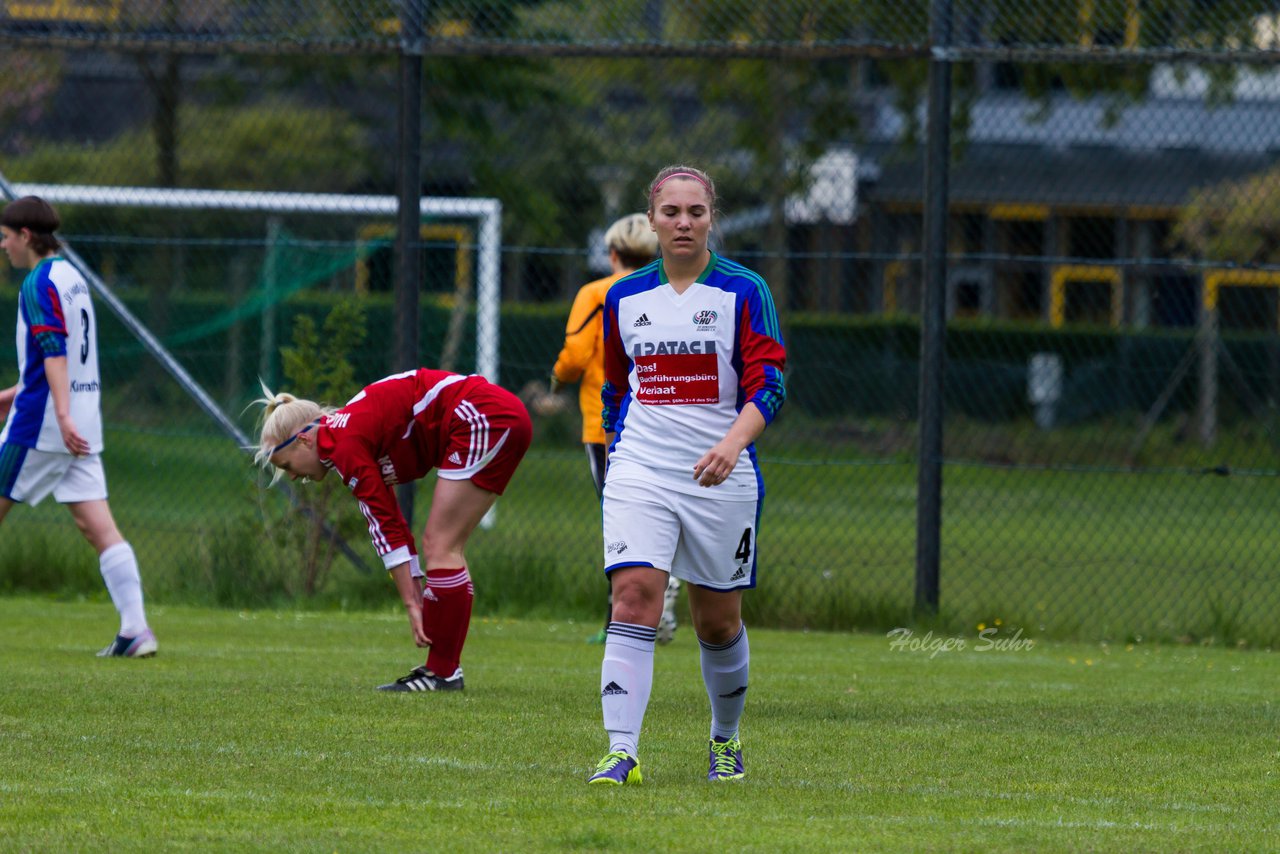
[{"x": 257, "y": 730}]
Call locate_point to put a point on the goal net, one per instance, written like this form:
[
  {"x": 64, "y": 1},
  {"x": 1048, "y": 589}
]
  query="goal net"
[{"x": 207, "y": 282}]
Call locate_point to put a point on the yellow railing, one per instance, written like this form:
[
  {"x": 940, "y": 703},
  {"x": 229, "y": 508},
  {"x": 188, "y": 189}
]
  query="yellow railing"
[
  {"x": 460, "y": 235},
  {"x": 76, "y": 11},
  {"x": 1068, "y": 274}
]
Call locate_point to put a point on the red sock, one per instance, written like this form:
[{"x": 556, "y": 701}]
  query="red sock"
[{"x": 446, "y": 616}]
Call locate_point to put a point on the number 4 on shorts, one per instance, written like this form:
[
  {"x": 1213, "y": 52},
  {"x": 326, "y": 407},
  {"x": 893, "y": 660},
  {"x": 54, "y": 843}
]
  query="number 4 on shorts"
[{"x": 743, "y": 554}]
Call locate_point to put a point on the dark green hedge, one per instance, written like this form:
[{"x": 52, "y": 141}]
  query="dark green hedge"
[{"x": 838, "y": 365}]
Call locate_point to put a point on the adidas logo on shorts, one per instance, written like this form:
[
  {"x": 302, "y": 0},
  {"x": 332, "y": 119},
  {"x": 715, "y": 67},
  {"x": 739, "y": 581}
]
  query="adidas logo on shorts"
[
  {"x": 739, "y": 575},
  {"x": 455, "y": 459},
  {"x": 642, "y": 320}
]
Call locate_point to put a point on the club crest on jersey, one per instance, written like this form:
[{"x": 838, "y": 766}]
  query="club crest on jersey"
[
  {"x": 705, "y": 320},
  {"x": 673, "y": 348}
]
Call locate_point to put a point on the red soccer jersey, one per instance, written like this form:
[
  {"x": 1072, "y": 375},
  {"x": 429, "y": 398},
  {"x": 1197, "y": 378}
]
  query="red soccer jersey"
[{"x": 394, "y": 431}]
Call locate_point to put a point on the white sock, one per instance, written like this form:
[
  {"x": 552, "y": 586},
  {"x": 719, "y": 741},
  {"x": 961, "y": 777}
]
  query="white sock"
[
  {"x": 724, "y": 672},
  {"x": 120, "y": 571},
  {"x": 626, "y": 678}
]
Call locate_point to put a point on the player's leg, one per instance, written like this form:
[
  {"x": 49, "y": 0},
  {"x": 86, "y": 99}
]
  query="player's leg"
[
  {"x": 720, "y": 542},
  {"x": 488, "y": 437},
  {"x": 119, "y": 567},
  {"x": 83, "y": 489},
  {"x": 596, "y": 463},
  {"x": 5, "y": 505},
  {"x": 457, "y": 507},
  {"x": 640, "y": 532},
  {"x": 725, "y": 657}
]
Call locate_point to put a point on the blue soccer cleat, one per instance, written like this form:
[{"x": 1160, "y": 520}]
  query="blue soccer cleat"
[
  {"x": 141, "y": 646},
  {"x": 726, "y": 759},
  {"x": 617, "y": 769}
]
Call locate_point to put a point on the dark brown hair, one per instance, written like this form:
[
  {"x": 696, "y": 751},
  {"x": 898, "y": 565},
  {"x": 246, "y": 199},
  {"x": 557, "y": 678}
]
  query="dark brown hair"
[{"x": 37, "y": 216}]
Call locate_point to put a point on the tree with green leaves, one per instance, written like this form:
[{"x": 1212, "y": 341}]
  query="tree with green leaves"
[
  {"x": 318, "y": 366},
  {"x": 1235, "y": 222}
]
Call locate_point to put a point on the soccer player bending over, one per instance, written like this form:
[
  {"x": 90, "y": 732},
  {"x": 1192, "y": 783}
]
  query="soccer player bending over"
[
  {"x": 395, "y": 431},
  {"x": 52, "y": 437},
  {"x": 693, "y": 361}
]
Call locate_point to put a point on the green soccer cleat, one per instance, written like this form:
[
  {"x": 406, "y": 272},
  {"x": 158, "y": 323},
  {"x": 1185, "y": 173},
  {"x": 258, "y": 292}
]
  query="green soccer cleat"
[{"x": 617, "y": 769}]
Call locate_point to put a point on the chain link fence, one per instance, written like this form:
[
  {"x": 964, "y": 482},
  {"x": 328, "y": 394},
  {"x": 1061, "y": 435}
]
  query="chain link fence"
[{"x": 1111, "y": 288}]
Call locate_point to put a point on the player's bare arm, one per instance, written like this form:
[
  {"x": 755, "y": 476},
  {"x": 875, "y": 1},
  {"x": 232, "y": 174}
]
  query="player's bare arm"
[
  {"x": 7, "y": 397},
  {"x": 410, "y": 590},
  {"x": 719, "y": 462},
  {"x": 55, "y": 369}
]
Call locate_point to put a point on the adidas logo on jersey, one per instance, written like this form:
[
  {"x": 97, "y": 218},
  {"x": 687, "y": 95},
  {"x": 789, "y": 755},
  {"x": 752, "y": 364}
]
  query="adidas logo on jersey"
[
  {"x": 642, "y": 320},
  {"x": 612, "y": 689},
  {"x": 455, "y": 459},
  {"x": 739, "y": 575}
]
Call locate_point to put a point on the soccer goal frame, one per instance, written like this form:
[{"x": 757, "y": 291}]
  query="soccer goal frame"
[{"x": 486, "y": 211}]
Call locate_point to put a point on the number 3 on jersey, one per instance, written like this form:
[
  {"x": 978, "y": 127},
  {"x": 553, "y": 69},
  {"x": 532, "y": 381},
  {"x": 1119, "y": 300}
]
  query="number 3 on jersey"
[{"x": 84, "y": 343}]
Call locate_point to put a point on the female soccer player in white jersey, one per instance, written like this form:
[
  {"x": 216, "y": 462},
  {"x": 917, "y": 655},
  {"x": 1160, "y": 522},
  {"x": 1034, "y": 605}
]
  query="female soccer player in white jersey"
[
  {"x": 396, "y": 431},
  {"x": 693, "y": 375},
  {"x": 52, "y": 437}
]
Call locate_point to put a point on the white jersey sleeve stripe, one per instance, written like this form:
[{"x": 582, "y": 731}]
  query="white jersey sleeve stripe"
[
  {"x": 380, "y": 544},
  {"x": 429, "y": 398},
  {"x": 479, "y": 424}
]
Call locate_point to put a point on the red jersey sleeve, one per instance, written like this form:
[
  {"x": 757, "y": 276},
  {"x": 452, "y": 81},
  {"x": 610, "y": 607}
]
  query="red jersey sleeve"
[
  {"x": 762, "y": 352},
  {"x": 617, "y": 368},
  {"x": 388, "y": 530}
]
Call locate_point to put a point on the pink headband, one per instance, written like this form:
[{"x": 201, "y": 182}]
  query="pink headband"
[{"x": 658, "y": 186}]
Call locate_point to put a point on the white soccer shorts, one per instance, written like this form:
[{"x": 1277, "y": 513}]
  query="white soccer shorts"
[
  {"x": 27, "y": 476},
  {"x": 706, "y": 541}
]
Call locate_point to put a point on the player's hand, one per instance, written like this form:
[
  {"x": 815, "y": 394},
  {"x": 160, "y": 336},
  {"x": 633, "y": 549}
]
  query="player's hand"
[
  {"x": 75, "y": 443},
  {"x": 716, "y": 464},
  {"x": 553, "y": 384},
  {"x": 415, "y": 625}
]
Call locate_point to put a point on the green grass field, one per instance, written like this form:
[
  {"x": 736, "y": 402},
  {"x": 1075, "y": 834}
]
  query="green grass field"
[{"x": 259, "y": 730}]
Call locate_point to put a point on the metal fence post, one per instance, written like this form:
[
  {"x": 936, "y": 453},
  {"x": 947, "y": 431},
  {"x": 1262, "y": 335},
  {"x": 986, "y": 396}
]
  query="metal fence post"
[
  {"x": 933, "y": 311},
  {"x": 409, "y": 190}
]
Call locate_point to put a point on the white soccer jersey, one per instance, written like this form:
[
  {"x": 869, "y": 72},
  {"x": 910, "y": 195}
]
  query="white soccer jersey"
[
  {"x": 680, "y": 367},
  {"x": 55, "y": 318}
]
